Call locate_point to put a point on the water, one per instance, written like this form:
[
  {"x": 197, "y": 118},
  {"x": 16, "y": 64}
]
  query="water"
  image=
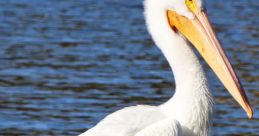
[{"x": 67, "y": 64}]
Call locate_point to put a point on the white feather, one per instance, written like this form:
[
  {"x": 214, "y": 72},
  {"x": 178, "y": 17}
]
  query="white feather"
[
  {"x": 165, "y": 127},
  {"x": 126, "y": 122}
]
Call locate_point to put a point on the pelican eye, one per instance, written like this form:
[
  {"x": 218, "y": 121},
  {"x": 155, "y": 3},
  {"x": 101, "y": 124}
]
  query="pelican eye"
[{"x": 191, "y": 4}]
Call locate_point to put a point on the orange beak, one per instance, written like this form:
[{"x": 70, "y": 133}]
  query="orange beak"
[{"x": 200, "y": 33}]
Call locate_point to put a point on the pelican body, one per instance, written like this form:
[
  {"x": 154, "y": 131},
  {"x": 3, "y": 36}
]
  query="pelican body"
[{"x": 173, "y": 25}]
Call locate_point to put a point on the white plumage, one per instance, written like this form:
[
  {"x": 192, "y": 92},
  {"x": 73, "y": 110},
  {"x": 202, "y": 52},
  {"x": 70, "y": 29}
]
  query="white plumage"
[{"x": 187, "y": 113}]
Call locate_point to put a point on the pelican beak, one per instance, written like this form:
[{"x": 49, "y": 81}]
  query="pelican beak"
[{"x": 200, "y": 33}]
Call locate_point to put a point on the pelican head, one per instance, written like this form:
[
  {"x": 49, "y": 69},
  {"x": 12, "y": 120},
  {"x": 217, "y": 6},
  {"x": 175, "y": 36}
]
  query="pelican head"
[{"x": 188, "y": 19}]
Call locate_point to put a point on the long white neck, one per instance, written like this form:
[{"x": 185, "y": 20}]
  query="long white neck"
[{"x": 191, "y": 103}]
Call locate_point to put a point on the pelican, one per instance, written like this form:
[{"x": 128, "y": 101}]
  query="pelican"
[{"x": 174, "y": 25}]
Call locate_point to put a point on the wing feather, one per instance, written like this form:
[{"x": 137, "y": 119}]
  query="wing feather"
[
  {"x": 165, "y": 127},
  {"x": 126, "y": 122}
]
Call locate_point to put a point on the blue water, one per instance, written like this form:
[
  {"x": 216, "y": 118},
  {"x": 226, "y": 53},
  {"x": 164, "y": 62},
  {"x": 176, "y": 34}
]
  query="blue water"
[{"x": 64, "y": 65}]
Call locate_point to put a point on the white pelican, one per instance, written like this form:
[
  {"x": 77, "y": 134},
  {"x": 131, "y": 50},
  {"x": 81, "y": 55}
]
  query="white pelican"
[{"x": 171, "y": 23}]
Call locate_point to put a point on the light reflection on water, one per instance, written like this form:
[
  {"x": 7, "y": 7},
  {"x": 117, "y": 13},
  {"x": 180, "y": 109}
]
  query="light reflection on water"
[{"x": 67, "y": 64}]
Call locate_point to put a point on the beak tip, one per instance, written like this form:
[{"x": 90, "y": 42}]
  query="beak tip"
[{"x": 250, "y": 113}]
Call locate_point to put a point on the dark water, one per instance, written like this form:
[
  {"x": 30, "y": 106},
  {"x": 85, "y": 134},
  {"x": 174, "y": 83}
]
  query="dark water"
[{"x": 64, "y": 65}]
